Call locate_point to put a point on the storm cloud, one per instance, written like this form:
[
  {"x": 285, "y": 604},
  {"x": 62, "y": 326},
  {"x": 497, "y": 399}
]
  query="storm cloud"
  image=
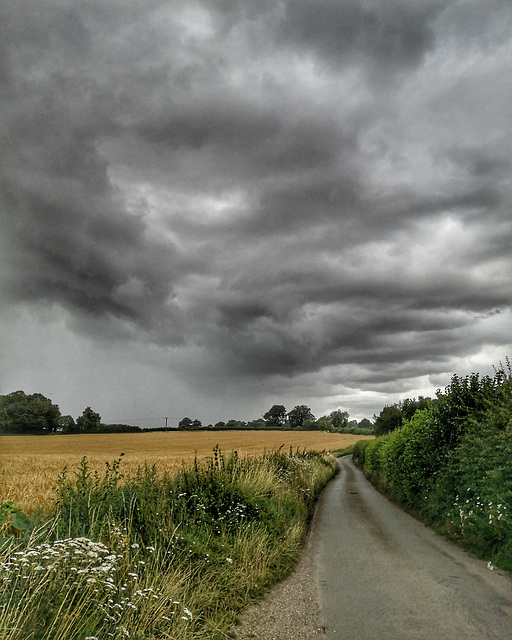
[{"x": 299, "y": 201}]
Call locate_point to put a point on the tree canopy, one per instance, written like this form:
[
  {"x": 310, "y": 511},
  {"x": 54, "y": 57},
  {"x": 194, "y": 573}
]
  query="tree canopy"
[
  {"x": 389, "y": 419},
  {"x": 89, "y": 420},
  {"x": 338, "y": 420},
  {"x": 276, "y": 415},
  {"x": 298, "y": 415},
  {"x": 22, "y": 413},
  {"x": 393, "y": 416}
]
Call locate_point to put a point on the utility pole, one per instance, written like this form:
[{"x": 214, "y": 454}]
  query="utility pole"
[{"x": 166, "y": 423}]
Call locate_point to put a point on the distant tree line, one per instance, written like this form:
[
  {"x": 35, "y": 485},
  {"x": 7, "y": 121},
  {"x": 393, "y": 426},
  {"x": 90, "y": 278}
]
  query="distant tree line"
[
  {"x": 21, "y": 413},
  {"x": 33, "y": 414},
  {"x": 300, "y": 418}
]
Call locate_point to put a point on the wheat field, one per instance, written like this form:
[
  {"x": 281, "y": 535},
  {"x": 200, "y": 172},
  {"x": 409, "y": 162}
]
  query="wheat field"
[{"x": 30, "y": 465}]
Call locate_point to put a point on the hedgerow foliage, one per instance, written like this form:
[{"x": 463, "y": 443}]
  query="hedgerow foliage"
[{"x": 450, "y": 463}]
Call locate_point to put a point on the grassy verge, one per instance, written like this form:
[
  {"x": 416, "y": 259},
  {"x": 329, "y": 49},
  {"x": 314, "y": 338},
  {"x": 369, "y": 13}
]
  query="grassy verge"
[{"x": 149, "y": 556}]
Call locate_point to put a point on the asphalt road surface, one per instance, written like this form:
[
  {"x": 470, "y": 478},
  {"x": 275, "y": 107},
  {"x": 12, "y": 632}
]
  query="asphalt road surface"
[{"x": 384, "y": 576}]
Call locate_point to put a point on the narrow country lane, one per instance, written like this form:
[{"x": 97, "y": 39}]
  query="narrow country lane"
[{"x": 384, "y": 576}]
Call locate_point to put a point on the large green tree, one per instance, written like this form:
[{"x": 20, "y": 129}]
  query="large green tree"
[
  {"x": 390, "y": 418},
  {"x": 89, "y": 421},
  {"x": 187, "y": 424},
  {"x": 67, "y": 424},
  {"x": 298, "y": 415},
  {"x": 365, "y": 424},
  {"x": 338, "y": 420},
  {"x": 276, "y": 415},
  {"x": 23, "y": 413}
]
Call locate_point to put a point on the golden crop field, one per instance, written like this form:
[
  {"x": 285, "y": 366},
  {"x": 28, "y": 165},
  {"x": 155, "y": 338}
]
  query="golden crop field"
[{"x": 30, "y": 465}]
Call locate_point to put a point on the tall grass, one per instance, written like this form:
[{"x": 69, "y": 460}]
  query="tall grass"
[{"x": 151, "y": 556}]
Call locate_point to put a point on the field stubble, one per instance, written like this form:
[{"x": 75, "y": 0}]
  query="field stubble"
[{"x": 30, "y": 465}]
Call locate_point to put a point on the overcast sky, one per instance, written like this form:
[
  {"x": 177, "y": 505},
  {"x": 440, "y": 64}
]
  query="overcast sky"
[{"x": 211, "y": 207}]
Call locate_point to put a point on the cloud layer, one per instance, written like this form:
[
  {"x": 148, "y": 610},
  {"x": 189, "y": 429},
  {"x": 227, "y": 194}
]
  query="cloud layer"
[{"x": 297, "y": 197}]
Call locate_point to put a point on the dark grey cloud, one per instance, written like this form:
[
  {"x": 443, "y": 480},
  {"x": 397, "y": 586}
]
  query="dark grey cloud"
[
  {"x": 303, "y": 197},
  {"x": 394, "y": 34}
]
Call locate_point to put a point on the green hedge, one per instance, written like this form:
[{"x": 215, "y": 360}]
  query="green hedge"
[
  {"x": 358, "y": 451},
  {"x": 450, "y": 464}
]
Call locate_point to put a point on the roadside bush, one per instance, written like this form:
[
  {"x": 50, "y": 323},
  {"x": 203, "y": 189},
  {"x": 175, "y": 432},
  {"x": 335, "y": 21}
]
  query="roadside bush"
[
  {"x": 471, "y": 498},
  {"x": 409, "y": 458},
  {"x": 465, "y": 400},
  {"x": 372, "y": 458},
  {"x": 358, "y": 452}
]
